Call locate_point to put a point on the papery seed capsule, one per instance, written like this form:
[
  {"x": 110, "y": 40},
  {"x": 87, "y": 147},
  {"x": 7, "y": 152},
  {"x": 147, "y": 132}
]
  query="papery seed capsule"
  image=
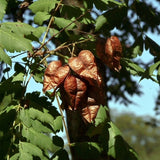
[
  {"x": 75, "y": 89},
  {"x": 113, "y": 53}
]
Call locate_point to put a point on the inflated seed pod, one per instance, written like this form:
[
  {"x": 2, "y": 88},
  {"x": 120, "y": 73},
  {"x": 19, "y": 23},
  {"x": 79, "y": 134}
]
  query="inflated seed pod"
[
  {"x": 85, "y": 66},
  {"x": 75, "y": 89},
  {"x": 113, "y": 53},
  {"x": 54, "y": 75}
]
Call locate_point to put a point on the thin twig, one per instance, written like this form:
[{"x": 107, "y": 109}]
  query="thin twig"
[
  {"x": 64, "y": 123},
  {"x": 18, "y": 55},
  {"x": 66, "y": 46},
  {"x": 62, "y": 30},
  {"x": 50, "y": 22}
]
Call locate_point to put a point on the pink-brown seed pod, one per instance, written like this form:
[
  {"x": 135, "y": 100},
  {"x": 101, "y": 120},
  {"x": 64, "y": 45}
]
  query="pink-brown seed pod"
[
  {"x": 54, "y": 75},
  {"x": 113, "y": 53},
  {"x": 85, "y": 66},
  {"x": 75, "y": 89}
]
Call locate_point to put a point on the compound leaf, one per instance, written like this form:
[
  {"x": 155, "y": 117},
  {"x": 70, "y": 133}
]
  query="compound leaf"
[
  {"x": 62, "y": 23},
  {"x": 40, "y": 17},
  {"x": 4, "y": 57},
  {"x": 12, "y": 42},
  {"x": 43, "y": 6},
  {"x": 28, "y": 148},
  {"x": 3, "y": 7}
]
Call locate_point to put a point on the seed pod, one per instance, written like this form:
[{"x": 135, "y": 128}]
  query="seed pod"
[
  {"x": 75, "y": 89},
  {"x": 100, "y": 49},
  {"x": 49, "y": 74},
  {"x": 89, "y": 113},
  {"x": 94, "y": 100},
  {"x": 54, "y": 75},
  {"x": 85, "y": 66},
  {"x": 113, "y": 52}
]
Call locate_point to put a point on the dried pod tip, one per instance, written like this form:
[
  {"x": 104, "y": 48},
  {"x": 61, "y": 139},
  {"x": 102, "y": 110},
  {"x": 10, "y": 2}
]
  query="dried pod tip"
[{"x": 113, "y": 52}]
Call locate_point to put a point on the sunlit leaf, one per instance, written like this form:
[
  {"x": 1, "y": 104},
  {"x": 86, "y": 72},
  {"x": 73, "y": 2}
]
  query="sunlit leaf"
[
  {"x": 149, "y": 72},
  {"x": 43, "y": 6},
  {"x": 62, "y": 23},
  {"x": 24, "y": 30},
  {"x": 110, "y": 19},
  {"x": 31, "y": 149},
  {"x": 118, "y": 147},
  {"x": 4, "y": 57},
  {"x": 39, "y": 139},
  {"x": 158, "y": 74},
  {"x": 18, "y": 77},
  {"x": 100, "y": 21},
  {"x": 132, "y": 67},
  {"x": 3, "y": 7},
  {"x": 153, "y": 67},
  {"x": 12, "y": 42},
  {"x": 15, "y": 156},
  {"x": 101, "y": 115},
  {"x": 112, "y": 1},
  {"x": 40, "y": 17},
  {"x": 58, "y": 123}
]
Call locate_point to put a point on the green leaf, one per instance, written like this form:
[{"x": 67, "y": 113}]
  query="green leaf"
[
  {"x": 7, "y": 117},
  {"x": 41, "y": 116},
  {"x": 18, "y": 77},
  {"x": 43, "y": 6},
  {"x": 53, "y": 31},
  {"x": 100, "y": 21},
  {"x": 153, "y": 67},
  {"x": 29, "y": 116},
  {"x": 36, "y": 124},
  {"x": 58, "y": 125},
  {"x": 25, "y": 156},
  {"x": 71, "y": 11},
  {"x": 137, "y": 51},
  {"x": 153, "y": 46},
  {"x": 110, "y": 19},
  {"x": 112, "y": 1},
  {"x": 40, "y": 17},
  {"x": 24, "y": 30},
  {"x": 6, "y": 100},
  {"x": 132, "y": 67},
  {"x": 101, "y": 115},
  {"x": 62, "y": 23},
  {"x": 12, "y": 42},
  {"x": 149, "y": 72},
  {"x": 3, "y": 7},
  {"x": 4, "y": 57},
  {"x": 38, "y": 77},
  {"x": 118, "y": 148},
  {"x": 15, "y": 156},
  {"x": 158, "y": 74},
  {"x": 25, "y": 147},
  {"x": 39, "y": 139}
]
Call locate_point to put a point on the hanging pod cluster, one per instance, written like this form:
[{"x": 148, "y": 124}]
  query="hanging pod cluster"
[
  {"x": 80, "y": 84},
  {"x": 110, "y": 52}
]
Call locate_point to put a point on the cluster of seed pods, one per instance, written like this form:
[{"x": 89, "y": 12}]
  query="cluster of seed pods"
[{"x": 80, "y": 82}]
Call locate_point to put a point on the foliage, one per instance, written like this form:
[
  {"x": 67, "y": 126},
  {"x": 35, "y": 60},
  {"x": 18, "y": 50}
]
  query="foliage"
[
  {"x": 29, "y": 123},
  {"x": 139, "y": 133}
]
